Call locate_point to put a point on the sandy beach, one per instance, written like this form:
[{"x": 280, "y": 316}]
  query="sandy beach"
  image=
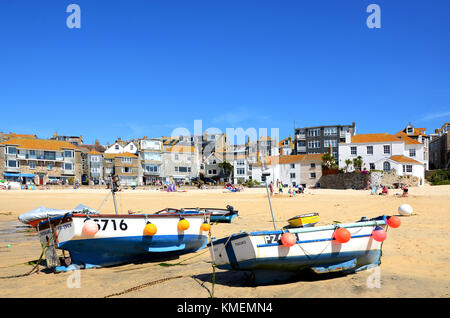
[{"x": 415, "y": 260}]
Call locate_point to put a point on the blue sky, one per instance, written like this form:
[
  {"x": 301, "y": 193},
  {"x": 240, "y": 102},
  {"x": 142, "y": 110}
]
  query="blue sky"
[{"x": 144, "y": 68}]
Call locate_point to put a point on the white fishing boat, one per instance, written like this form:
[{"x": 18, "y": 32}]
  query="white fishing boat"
[
  {"x": 280, "y": 254},
  {"x": 316, "y": 248},
  {"x": 95, "y": 239}
]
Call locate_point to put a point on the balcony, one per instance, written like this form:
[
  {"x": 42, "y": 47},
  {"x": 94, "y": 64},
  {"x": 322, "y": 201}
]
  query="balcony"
[
  {"x": 12, "y": 169},
  {"x": 301, "y": 149},
  {"x": 69, "y": 172}
]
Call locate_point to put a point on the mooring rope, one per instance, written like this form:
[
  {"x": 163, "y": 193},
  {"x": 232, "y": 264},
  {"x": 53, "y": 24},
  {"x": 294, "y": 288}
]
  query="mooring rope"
[
  {"x": 143, "y": 285},
  {"x": 33, "y": 269}
]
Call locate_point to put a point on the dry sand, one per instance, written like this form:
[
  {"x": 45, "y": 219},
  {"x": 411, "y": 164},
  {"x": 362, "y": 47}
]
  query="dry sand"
[{"x": 415, "y": 261}]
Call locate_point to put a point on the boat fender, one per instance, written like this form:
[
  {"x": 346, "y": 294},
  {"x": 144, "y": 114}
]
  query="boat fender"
[
  {"x": 183, "y": 224},
  {"x": 150, "y": 229}
]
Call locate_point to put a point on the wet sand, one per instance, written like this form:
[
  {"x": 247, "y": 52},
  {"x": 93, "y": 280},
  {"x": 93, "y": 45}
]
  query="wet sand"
[{"x": 415, "y": 260}]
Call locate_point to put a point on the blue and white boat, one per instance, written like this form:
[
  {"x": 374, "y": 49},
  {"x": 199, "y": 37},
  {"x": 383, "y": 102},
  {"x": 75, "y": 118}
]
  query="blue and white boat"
[
  {"x": 121, "y": 238},
  {"x": 315, "y": 249}
]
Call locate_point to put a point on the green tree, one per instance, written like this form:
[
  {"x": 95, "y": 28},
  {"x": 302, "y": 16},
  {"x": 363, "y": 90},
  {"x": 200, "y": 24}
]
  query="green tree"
[
  {"x": 358, "y": 162},
  {"x": 348, "y": 162},
  {"x": 328, "y": 162},
  {"x": 227, "y": 169}
]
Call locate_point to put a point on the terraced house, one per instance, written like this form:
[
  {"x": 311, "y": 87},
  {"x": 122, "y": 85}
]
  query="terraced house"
[
  {"x": 40, "y": 161},
  {"x": 181, "y": 163},
  {"x": 150, "y": 159},
  {"x": 125, "y": 165}
]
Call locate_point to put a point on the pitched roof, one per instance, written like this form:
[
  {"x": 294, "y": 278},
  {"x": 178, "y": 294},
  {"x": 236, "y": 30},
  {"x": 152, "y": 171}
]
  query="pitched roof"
[
  {"x": 293, "y": 158},
  {"x": 404, "y": 159},
  {"x": 407, "y": 139},
  {"x": 181, "y": 148},
  {"x": 367, "y": 138},
  {"x": 119, "y": 155},
  {"x": 40, "y": 144},
  {"x": 13, "y": 135},
  {"x": 416, "y": 131}
]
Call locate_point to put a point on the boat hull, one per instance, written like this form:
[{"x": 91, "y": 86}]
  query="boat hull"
[
  {"x": 315, "y": 250},
  {"x": 121, "y": 239}
]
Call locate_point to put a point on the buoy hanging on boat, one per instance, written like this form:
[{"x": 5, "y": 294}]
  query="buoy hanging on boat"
[
  {"x": 405, "y": 209},
  {"x": 150, "y": 229},
  {"x": 394, "y": 221},
  {"x": 183, "y": 224},
  {"x": 205, "y": 226},
  {"x": 288, "y": 239},
  {"x": 379, "y": 234},
  {"x": 342, "y": 235},
  {"x": 90, "y": 228}
]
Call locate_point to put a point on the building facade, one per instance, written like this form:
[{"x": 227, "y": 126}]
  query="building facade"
[
  {"x": 440, "y": 148},
  {"x": 40, "y": 161},
  {"x": 320, "y": 139}
]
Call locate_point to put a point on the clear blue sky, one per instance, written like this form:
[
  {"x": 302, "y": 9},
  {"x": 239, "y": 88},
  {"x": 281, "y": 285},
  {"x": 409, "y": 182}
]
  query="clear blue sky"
[{"x": 143, "y": 68}]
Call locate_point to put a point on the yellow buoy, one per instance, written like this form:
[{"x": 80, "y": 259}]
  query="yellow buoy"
[
  {"x": 183, "y": 224},
  {"x": 205, "y": 226},
  {"x": 150, "y": 229}
]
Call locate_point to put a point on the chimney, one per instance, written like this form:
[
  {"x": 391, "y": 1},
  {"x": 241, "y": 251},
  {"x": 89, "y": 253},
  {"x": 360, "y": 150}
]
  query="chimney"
[{"x": 348, "y": 137}]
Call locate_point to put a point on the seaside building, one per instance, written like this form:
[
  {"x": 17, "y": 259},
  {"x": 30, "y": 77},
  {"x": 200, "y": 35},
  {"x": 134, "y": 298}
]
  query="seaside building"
[
  {"x": 150, "y": 159},
  {"x": 125, "y": 165},
  {"x": 440, "y": 148},
  {"x": 5, "y": 137},
  {"x": 385, "y": 152},
  {"x": 319, "y": 139},
  {"x": 74, "y": 140},
  {"x": 181, "y": 163},
  {"x": 286, "y": 146},
  {"x": 121, "y": 146},
  {"x": 418, "y": 134},
  {"x": 211, "y": 169},
  {"x": 40, "y": 161},
  {"x": 292, "y": 170}
]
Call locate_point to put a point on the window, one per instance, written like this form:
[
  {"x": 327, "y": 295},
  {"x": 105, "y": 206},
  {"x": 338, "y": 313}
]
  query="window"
[
  {"x": 151, "y": 168},
  {"x": 68, "y": 154},
  {"x": 127, "y": 170},
  {"x": 240, "y": 171},
  {"x": 330, "y": 131},
  {"x": 292, "y": 175},
  {"x": 313, "y": 165},
  {"x": 49, "y": 166},
  {"x": 372, "y": 166},
  {"x": 314, "y": 144},
  {"x": 126, "y": 160},
  {"x": 353, "y": 151},
  {"x": 182, "y": 169},
  {"x": 32, "y": 165},
  {"x": 370, "y": 150},
  {"x": 301, "y": 143},
  {"x": 312, "y": 175},
  {"x": 240, "y": 162},
  {"x": 410, "y": 130},
  {"x": 68, "y": 166},
  {"x": 109, "y": 160},
  {"x": 386, "y": 166},
  {"x": 314, "y": 132},
  {"x": 407, "y": 168},
  {"x": 412, "y": 152},
  {"x": 330, "y": 142},
  {"x": 292, "y": 165},
  {"x": 11, "y": 150},
  {"x": 387, "y": 149},
  {"x": 13, "y": 164},
  {"x": 49, "y": 155},
  {"x": 176, "y": 157},
  {"x": 116, "y": 147}
]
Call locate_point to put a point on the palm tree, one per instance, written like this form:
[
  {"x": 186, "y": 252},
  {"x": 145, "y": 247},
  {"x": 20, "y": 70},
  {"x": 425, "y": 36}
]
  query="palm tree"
[
  {"x": 348, "y": 162},
  {"x": 328, "y": 162},
  {"x": 357, "y": 162}
]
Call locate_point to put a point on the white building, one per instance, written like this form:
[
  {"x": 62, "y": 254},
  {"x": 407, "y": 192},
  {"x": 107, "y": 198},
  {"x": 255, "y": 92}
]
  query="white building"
[
  {"x": 385, "y": 152},
  {"x": 121, "y": 146}
]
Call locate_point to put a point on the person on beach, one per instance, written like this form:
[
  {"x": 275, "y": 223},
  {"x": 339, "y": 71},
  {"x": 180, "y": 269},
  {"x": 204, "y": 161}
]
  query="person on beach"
[
  {"x": 384, "y": 191},
  {"x": 271, "y": 188},
  {"x": 405, "y": 192},
  {"x": 281, "y": 187}
]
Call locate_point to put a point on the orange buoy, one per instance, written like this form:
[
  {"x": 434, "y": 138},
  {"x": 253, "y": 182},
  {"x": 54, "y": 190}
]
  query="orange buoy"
[
  {"x": 150, "y": 229},
  {"x": 379, "y": 234},
  {"x": 205, "y": 226},
  {"x": 342, "y": 235},
  {"x": 90, "y": 228},
  {"x": 394, "y": 221},
  {"x": 288, "y": 239},
  {"x": 183, "y": 224}
]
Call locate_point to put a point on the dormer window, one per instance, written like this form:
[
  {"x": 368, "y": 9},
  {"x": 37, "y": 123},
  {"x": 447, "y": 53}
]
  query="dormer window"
[{"x": 410, "y": 130}]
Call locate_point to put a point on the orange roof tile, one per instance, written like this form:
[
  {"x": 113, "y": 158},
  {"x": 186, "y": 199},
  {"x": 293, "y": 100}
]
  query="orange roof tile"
[
  {"x": 404, "y": 159},
  {"x": 13, "y": 135},
  {"x": 94, "y": 152},
  {"x": 407, "y": 139},
  {"x": 293, "y": 158},
  {"x": 366, "y": 138},
  {"x": 40, "y": 144},
  {"x": 119, "y": 155},
  {"x": 180, "y": 148}
]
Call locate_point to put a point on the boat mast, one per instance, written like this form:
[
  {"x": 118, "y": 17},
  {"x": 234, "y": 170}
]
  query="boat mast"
[
  {"x": 115, "y": 183},
  {"x": 268, "y": 194}
]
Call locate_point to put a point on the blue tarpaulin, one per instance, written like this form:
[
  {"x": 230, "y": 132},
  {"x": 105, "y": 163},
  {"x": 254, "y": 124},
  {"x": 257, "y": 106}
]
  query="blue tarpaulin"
[
  {"x": 27, "y": 175},
  {"x": 10, "y": 174}
]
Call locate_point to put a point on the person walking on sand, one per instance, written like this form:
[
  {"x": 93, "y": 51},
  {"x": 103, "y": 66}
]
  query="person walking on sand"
[
  {"x": 271, "y": 188},
  {"x": 281, "y": 187}
]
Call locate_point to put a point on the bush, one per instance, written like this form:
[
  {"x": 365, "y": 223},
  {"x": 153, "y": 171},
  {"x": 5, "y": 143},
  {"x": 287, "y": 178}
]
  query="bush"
[
  {"x": 439, "y": 177},
  {"x": 250, "y": 183}
]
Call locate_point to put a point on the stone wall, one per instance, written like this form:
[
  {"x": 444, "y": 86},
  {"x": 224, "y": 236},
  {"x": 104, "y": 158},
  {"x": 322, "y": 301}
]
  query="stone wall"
[
  {"x": 351, "y": 180},
  {"x": 392, "y": 180}
]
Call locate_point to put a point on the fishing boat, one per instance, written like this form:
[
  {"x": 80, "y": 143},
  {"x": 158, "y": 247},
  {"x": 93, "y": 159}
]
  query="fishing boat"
[
  {"x": 281, "y": 254},
  {"x": 42, "y": 213},
  {"x": 217, "y": 214},
  {"x": 97, "y": 240},
  {"x": 271, "y": 257}
]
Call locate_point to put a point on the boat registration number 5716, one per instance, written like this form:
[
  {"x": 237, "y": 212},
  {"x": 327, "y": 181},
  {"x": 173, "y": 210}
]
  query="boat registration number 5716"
[{"x": 113, "y": 224}]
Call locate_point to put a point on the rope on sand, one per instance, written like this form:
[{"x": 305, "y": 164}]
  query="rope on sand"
[
  {"x": 144, "y": 285},
  {"x": 35, "y": 268}
]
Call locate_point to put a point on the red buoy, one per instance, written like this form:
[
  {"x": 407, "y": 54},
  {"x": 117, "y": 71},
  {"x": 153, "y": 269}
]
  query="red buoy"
[
  {"x": 393, "y": 221},
  {"x": 342, "y": 235},
  {"x": 379, "y": 234},
  {"x": 288, "y": 239}
]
